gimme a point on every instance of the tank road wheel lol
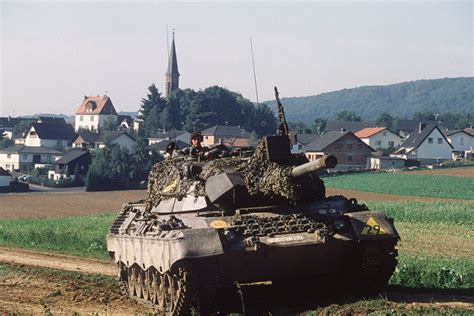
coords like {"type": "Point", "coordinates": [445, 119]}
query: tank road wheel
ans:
{"type": "Point", "coordinates": [140, 283]}
{"type": "Point", "coordinates": [132, 280]}
{"type": "Point", "coordinates": [147, 291]}
{"type": "Point", "coordinates": [171, 294]}
{"type": "Point", "coordinates": [155, 296]}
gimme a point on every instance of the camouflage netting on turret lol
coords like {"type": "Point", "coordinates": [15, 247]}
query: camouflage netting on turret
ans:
{"type": "Point", "coordinates": [270, 178]}
{"type": "Point", "coordinates": [167, 179]}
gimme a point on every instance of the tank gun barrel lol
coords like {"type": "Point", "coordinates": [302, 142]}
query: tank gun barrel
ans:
{"type": "Point", "coordinates": [327, 161]}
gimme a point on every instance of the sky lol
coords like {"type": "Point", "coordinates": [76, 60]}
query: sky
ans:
{"type": "Point", "coordinates": [54, 53]}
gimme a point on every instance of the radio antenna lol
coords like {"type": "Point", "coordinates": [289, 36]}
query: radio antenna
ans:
{"type": "Point", "coordinates": [254, 73]}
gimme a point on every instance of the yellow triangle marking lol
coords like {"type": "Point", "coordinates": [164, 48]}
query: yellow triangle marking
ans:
{"type": "Point", "coordinates": [372, 228]}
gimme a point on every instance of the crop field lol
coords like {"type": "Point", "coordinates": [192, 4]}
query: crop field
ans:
{"type": "Point", "coordinates": [407, 183]}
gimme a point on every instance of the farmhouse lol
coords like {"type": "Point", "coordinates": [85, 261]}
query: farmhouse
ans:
{"type": "Point", "coordinates": [428, 145]}
{"type": "Point", "coordinates": [461, 140]}
{"type": "Point", "coordinates": [75, 159]}
{"type": "Point", "coordinates": [379, 137]}
{"type": "Point", "coordinates": [20, 157]}
{"type": "Point", "coordinates": [181, 136]}
{"type": "Point", "coordinates": [93, 112]}
{"type": "Point", "coordinates": [350, 151]}
{"type": "Point", "coordinates": [87, 139]}
{"type": "Point", "coordinates": [300, 141]}
{"type": "Point", "coordinates": [219, 133]}
{"type": "Point", "coordinates": [53, 134]}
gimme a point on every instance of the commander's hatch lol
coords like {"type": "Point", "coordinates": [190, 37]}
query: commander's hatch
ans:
{"type": "Point", "coordinates": [278, 149]}
{"type": "Point", "coordinates": [189, 203]}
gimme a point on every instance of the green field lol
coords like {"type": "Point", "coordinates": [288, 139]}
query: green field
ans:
{"type": "Point", "coordinates": [406, 184]}
{"type": "Point", "coordinates": [436, 249]}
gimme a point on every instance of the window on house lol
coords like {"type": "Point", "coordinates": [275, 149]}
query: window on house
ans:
{"type": "Point", "coordinates": [430, 140]}
{"type": "Point", "coordinates": [81, 118]}
{"type": "Point", "coordinates": [9, 156]}
{"type": "Point", "coordinates": [359, 146]}
{"type": "Point", "coordinates": [349, 146]}
{"type": "Point", "coordinates": [92, 118]}
{"type": "Point", "coordinates": [384, 133]}
{"type": "Point", "coordinates": [379, 143]}
{"type": "Point", "coordinates": [393, 162]}
{"type": "Point", "coordinates": [440, 140]}
{"type": "Point", "coordinates": [24, 156]}
{"type": "Point", "coordinates": [349, 157]}
{"type": "Point", "coordinates": [33, 134]}
{"type": "Point", "coordinates": [338, 146]}
{"type": "Point", "coordinates": [7, 166]}
{"type": "Point", "coordinates": [391, 144]}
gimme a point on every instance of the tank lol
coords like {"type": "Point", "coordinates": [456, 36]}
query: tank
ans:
{"type": "Point", "coordinates": [257, 215]}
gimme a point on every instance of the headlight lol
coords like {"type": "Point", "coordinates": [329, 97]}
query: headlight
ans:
{"type": "Point", "coordinates": [339, 224]}
{"type": "Point", "coordinates": [323, 212]}
{"type": "Point", "coordinates": [230, 235]}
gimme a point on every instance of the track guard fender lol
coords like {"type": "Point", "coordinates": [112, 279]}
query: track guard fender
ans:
{"type": "Point", "coordinates": [372, 226]}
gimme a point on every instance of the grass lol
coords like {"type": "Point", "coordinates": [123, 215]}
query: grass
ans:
{"type": "Point", "coordinates": [434, 272]}
{"type": "Point", "coordinates": [77, 235]}
{"type": "Point", "coordinates": [406, 184]}
{"type": "Point", "coordinates": [426, 212]}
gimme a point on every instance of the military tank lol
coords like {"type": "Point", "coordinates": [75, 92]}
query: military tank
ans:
{"type": "Point", "coordinates": [261, 215]}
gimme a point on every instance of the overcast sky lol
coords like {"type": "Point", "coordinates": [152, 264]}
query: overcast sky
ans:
{"type": "Point", "coordinates": [53, 53]}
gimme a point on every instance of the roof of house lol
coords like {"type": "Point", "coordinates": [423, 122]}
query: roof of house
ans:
{"type": "Point", "coordinates": [369, 131]}
{"type": "Point", "coordinates": [51, 120]}
{"type": "Point", "coordinates": [330, 137]}
{"type": "Point", "coordinates": [306, 139]}
{"type": "Point", "coordinates": [168, 135]}
{"type": "Point", "coordinates": [100, 137]}
{"type": "Point", "coordinates": [226, 130]}
{"type": "Point", "coordinates": [413, 125]}
{"type": "Point", "coordinates": [96, 105]}
{"type": "Point", "coordinates": [54, 131]}
{"type": "Point", "coordinates": [470, 131]}
{"type": "Point", "coordinates": [16, 149]}
{"type": "Point", "coordinates": [161, 146]}
{"type": "Point", "coordinates": [71, 155]}
{"type": "Point", "coordinates": [348, 125]}
{"type": "Point", "coordinates": [9, 121]}
{"type": "Point", "coordinates": [417, 138]}
{"type": "Point", "coordinates": [4, 173]}
{"type": "Point", "coordinates": [126, 118]}
{"type": "Point", "coordinates": [237, 142]}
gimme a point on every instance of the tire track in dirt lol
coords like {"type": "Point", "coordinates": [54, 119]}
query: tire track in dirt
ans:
{"type": "Point", "coordinates": [56, 261]}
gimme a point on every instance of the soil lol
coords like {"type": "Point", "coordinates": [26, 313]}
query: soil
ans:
{"type": "Point", "coordinates": [49, 204]}
{"type": "Point", "coordinates": [456, 172]}
{"type": "Point", "coordinates": [42, 290]}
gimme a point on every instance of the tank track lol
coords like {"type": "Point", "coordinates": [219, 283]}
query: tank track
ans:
{"type": "Point", "coordinates": [171, 294]}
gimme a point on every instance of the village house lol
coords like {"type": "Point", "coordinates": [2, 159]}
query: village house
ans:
{"type": "Point", "coordinates": [300, 141]}
{"type": "Point", "coordinates": [428, 145]}
{"type": "Point", "coordinates": [181, 136]}
{"type": "Point", "coordinates": [348, 126]}
{"type": "Point", "coordinates": [379, 137]}
{"type": "Point", "coordinates": [220, 133]}
{"type": "Point", "coordinates": [21, 157]}
{"type": "Point", "coordinates": [76, 158]}
{"type": "Point", "coordinates": [461, 140]}
{"type": "Point", "coordinates": [94, 112]}
{"type": "Point", "coordinates": [350, 151]}
{"type": "Point", "coordinates": [88, 139]}
{"type": "Point", "coordinates": [381, 163]}
{"type": "Point", "coordinates": [53, 134]}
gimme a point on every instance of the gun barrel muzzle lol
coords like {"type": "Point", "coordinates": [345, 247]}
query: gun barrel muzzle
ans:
{"type": "Point", "coordinates": [327, 161]}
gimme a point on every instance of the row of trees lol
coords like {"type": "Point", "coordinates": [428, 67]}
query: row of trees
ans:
{"type": "Point", "coordinates": [192, 110]}
{"type": "Point", "coordinates": [456, 120]}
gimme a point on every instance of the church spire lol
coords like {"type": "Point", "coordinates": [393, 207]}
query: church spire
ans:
{"type": "Point", "coordinates": [172, 74]}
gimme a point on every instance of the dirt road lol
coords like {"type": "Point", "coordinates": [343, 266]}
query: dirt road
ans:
{"type": "Point", "coordinates": [28, 289]}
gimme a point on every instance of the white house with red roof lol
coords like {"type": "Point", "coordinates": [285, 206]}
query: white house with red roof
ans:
{"type": "Point", "coordinates": [379, 137]}
{"type": "Point", "coordinates": [93, 112]}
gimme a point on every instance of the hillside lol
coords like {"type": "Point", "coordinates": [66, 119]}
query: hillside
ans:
{"type": "Point", "coordinates": [401, 100]}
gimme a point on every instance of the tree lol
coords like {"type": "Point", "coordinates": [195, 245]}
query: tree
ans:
{"type": "Point", "coordinates": [347, 116]}
{"type": "Point", "coordinates": [424, 116]}
{"type": "Point", "coordinates": [150, 112]}
{"type": "Point", "coordinates": [110, 124]}
{"type": "Point", "coordinates": [319, 126]}
{"type": "Point", "coordinates": [265, 122]}
{"type": "Point", "coordinates": [385, 120]}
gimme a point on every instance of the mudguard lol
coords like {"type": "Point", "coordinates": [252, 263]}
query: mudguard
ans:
{"type": "Point", "coordinates": [369, 225]}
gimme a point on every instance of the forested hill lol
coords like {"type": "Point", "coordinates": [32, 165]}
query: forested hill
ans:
{"type": "Point", "coordinates": [402, 100]}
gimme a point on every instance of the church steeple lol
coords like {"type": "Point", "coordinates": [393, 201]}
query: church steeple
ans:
{"type": "Point", "coordinates": [172, 75]}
